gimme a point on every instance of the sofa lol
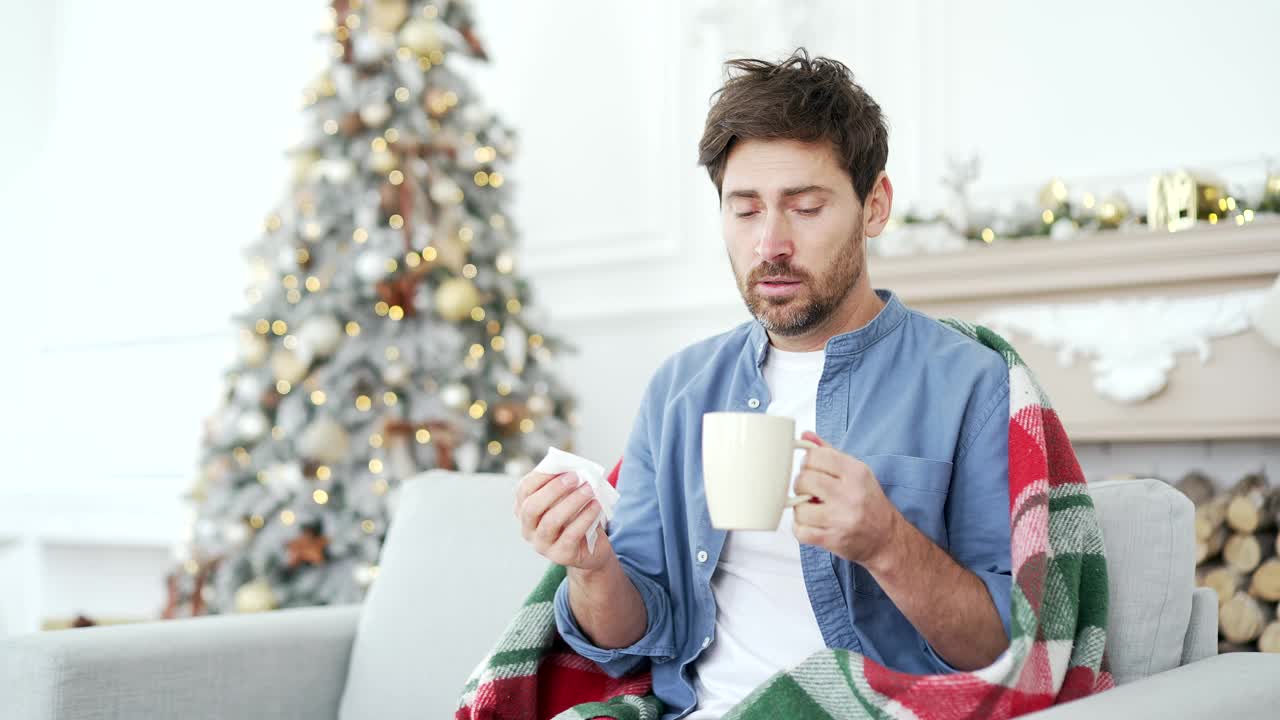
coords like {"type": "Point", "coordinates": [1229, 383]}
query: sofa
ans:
{"type": "Point", "coordinates": [454, 570]}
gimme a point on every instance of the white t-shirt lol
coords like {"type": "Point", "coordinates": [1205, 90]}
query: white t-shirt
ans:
{"type": "Point", "coordinates": [764, 622]}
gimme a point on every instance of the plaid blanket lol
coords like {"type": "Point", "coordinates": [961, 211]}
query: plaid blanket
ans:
{"type": "Point", "coordinates": [1059, 618]}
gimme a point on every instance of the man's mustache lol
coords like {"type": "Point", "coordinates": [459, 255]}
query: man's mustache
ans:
{"type": "Point", "coordinates": [776, 270]}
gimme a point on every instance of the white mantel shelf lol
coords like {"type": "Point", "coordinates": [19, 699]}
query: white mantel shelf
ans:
{"type": "Point", "coordinates": [1039, 267]}
{"type": "Point", "coordinates": [1235, 395]}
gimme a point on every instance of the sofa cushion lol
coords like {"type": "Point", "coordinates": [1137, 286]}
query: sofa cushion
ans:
{"type": "Point", "coordinates": [453, 571]}
{"type": "Point", "coordinates": [1148, 530]}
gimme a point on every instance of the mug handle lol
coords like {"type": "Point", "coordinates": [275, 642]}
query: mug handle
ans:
{"type": "Point", "coordinates": [801, 499]}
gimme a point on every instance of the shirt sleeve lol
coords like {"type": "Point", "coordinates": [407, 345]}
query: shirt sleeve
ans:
{"type": "Point", "coordinates": [636, 535]}
{"type": "Point", "coordinates": [977, 507]}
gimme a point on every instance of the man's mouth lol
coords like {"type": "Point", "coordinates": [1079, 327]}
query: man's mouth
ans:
{"type": "Point", "coordinates": [777, 287]}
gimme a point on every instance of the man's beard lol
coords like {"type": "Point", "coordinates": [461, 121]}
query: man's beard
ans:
{"type": "Point", "coordinates": [814, 303]}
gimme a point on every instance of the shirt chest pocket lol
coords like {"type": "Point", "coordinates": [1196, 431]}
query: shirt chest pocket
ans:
{"type": "Point", "coordinates": [918, 488]}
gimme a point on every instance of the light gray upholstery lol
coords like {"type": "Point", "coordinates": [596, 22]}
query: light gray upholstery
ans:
{"type": "Point", "coordinates": [1202, 633]}
{"type": "Point", "coordinates": [288, 664]}
{"type": "Point", "coordinates": [1148, 528]}
{"type": "Point", "coordinates": [453, 571]}
{"type": "Point", "coordinates": [1240, 686]}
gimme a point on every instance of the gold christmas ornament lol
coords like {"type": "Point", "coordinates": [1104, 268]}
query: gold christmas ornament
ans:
{"type": "Point", "coordinates": [454, 299]}
{"type": "Point", "coordinates": [450, 251]}
{"type": "Point", "coordinates": [253, 349]}
{"type": "Point", "coordinates": [324, 441]}
{"type": "Point", "coordinates": [1053, 194]}
{"type": "Point", "coordinates": [255, 596]}
{"type": "Point", "coordinates": [436, 102]}
{"type": "Point", "coordinates": [303, 162]}
{"type": "Point", "coordinates": [287, 366]}
{"type": "Point", "coordinates": [1175, 201]}
{"type": "Point", "coordinates": [421, 36]}
{"type": "Point", "coordinates": [388, 15]}
{"type": "Point", "coordinates": [382, 161]}
{"type": "Point", "coordinates": [1113, 211]}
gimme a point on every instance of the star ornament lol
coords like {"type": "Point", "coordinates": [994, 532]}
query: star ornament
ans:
{"type": "Point", "coordinates": [309, 547]}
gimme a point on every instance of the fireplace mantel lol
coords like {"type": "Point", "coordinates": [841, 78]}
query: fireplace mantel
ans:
{"type": "Point", "coordinates": [1235, 394]}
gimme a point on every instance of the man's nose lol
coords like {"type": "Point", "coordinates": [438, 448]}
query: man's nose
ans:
{"type": "Point", "coordinates": [775, 238]}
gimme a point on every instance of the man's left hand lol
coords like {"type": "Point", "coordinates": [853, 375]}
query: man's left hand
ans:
{"type": "Point", "coordinates": [850, 515]}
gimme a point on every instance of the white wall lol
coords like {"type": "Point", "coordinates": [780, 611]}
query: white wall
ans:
{"type": "Point", "coordinates": [143, 146]}
{"type": "Point", "coordinates": [621, 229]}
{"type": "Point", "coordinates": [149, 146]}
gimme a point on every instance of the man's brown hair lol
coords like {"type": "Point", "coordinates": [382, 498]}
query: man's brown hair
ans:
{"type": "Point", "coordinates": [799, 98]}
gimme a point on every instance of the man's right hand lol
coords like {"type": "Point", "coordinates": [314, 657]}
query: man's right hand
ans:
{"type": "Point", "coordinates": [555, 512]}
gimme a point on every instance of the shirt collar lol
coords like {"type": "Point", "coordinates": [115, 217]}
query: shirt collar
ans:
{"type": "Point", "coordinates": [885, 321]}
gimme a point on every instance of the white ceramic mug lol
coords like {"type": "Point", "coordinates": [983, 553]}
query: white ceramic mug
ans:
{"type": "Point", "coordinates": [746, 468]}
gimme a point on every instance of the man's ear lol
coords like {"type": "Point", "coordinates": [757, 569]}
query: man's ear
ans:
{"type": "Point", "coordinates": [878, 206]}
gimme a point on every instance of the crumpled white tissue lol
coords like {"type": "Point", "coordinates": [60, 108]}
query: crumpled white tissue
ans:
{"type": "Point", "coordinates": [558, 461]}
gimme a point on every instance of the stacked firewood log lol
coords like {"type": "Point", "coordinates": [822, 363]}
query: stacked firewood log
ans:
{"type": "Point", "coordinates": [1236, 556]}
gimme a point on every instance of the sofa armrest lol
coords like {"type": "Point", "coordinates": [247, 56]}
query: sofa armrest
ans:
{"type": "Point", "coordinates": [1202, 632]}
{"type": "Point", "coordinates": [283, 664]}
{"type": "Point", "coordinates": [1233, 685]}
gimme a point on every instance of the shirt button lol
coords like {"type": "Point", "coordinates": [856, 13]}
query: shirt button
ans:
{"type": "Point", "coordinates": [753, 403]}
{"type": "Point", "coordinates": [702, 556]}
{"type": "Point", "coordinates": [706, 642]}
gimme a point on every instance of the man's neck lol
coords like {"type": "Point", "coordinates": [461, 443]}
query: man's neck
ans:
{"type": "Point", "coordinates": [859, 308]}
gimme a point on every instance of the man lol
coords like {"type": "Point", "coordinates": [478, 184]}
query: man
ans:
{"type": "Point", "coordinates": [904, 554]}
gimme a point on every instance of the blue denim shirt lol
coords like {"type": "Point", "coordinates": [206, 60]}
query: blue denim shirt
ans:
{"type": "Point", "coordinates": [926, 408]}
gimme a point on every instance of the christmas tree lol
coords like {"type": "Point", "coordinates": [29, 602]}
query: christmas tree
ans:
{"type": "Point", "coordinates": [387, 330]}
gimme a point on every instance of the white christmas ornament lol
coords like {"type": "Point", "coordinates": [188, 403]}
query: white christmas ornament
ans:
{"type": "Point", "coordinates": [455, 395]}
{"type": "Point", "coordinates": [287, 259]}
{"type": "Point", "coordinates": [365, 574]}
{"type": "Point", "coordinates": [371, 266]}
{"type": "Point", "coordinates": [249, 388]}
{"type": "Point", "coordinates": [444, 190]}
{"type": "Point", "coordinates": [370, 47]}
{"type": "Point", "coordinates": [319, 335]}
{"type": "Point", "coordinates": [540, 405]}
{"type": "Point", "coordinates": [467, 457]}
{"type": "Point", "coordinates": [251, 426]}
{"type": "Point", "coordinates": [324, 440]}
{"type": "Point", "coordinates": [255, 596]}
{"type": "Point", "coordinates": [1062, 229]}
{"type": "Point", "coordinates": [235, 534]}
{"type": "Point", "coordinates": [283, 479]}
{"type": "Point", "coordinates": [396, 374]}
{"type": "Point", "coordinates": [375, 115]}
{"type": "Point", "coordinates": [337, 172]}
{"type": "Point", "coordinates": [515, 347]}
{"type": "Point", "coordinates": [475, 115]}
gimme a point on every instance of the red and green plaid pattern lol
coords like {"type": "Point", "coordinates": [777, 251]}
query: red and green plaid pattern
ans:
{"type": "Point", "coordinates": [1059, 618]}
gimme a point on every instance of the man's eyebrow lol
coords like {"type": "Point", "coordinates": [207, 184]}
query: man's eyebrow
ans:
{"type": "Point", "coordinates": [786, 192]}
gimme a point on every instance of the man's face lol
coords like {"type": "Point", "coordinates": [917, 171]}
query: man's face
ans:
{"type": "Point", "coordinates": [793, 231]}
